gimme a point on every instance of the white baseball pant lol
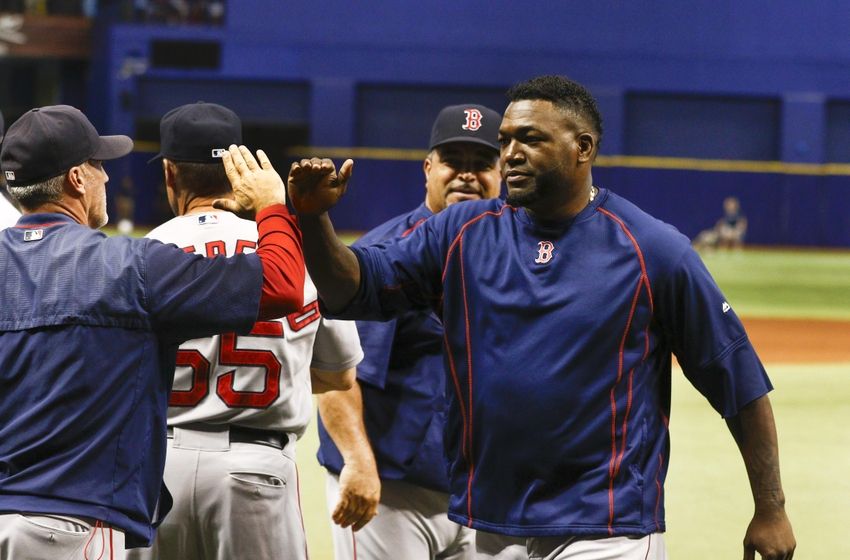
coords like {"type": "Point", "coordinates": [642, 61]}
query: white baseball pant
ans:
{"type": "Point", "coordinates": [411, 524]}
{"type": "Point", "coordinates": [489, 546]}
{"type": "Point", "coordinates": [58, 537]}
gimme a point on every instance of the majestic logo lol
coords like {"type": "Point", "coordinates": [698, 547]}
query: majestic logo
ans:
{"type": "Point", "coordinates": [726, 307]}
{"type": "Point", "coordinates": [217, 152]}
{"type": "Point", "coordinates": [10, 175]}
{"type": "Point", "coordinates": [473, 119]}
{"type": "Point", "coordinates": [544, 252]}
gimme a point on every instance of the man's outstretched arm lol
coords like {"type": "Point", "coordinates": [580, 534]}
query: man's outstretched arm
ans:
{"type": "Point", "coordinates": [314, 188]}
{"type": "Point", "coordinates": [770, 531]}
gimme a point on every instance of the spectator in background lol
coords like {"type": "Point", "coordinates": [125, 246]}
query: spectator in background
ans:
{"type": "Point", "coordinates": [728, 232]}
{"type": "Point", "coordinates": [400, 394]}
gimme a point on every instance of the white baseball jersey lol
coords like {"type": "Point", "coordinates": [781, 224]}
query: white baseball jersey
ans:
{"type": "Point", "coordinates": [260, 380]}
{"type": "Point", "coordinates": [8, 214]}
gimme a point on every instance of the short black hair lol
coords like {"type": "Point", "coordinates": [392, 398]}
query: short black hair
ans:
{"type": "Point", "coordinates": [203, 179]}
{"type": "Point", "coordinates": [564, 93]}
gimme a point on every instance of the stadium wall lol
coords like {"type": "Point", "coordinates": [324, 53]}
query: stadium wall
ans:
{"type": "Point", "coordinates": [759, 85]}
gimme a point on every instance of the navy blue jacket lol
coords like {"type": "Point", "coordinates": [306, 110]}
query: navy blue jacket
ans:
{"type": "Point", "coordinates": [89, 328]}
{"type": "Point", "coordinates": [558, 343]}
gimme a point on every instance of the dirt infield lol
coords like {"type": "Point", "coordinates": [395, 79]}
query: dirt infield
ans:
{"type": "Point", "coordinates": [800, 340]}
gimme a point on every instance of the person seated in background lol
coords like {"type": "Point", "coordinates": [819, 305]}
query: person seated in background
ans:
{"type": "Point", "coordinates": [728, 232]}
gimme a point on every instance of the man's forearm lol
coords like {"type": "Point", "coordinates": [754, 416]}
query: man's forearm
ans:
{"type": "Point", "coordinates": [754, 431]}
{"type": "Point", "coordinates": [332, 265]}
{"type": "Point", "coordinates": [342, 415]}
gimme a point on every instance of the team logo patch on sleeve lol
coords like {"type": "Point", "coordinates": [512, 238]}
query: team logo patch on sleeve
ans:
{"type": "Point", "coordinates": [544, 252]}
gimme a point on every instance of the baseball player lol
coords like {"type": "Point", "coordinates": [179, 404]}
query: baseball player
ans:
{"type": "Point", "coordinates": [561, 308]}
{"type": "Point", "coordinates": [89, 329]}
{"type": "Point", "coordinates": [8, 213]}
{"type": "Point", "coordinates": [400, 395]}
{"type": "Point", "coordinates": [239, 403]}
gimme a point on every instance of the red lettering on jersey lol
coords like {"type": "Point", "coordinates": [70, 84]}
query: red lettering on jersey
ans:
{"type": "Point", "coordinates": [544, 252]}
{"type": "Point", "coordinates": [300, 319]}
{"type": "Point", "coordinates": [267, 328]}
{"type": "Point", "coordinates": [216, 248]}
{"type": "Point", "coordinates": [189, 249]}
{"type": "Point", "coordinates": [242, 244]}
{"type": "Point", "coordinates": [200, 379]}
{"type": "Point", "coordinates": [473, 119]}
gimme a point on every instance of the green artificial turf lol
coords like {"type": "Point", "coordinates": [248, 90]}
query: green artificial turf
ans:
{"type": "Point", "coordinates": [782, 283]}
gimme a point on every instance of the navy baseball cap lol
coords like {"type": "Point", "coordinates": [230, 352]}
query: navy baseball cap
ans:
{"type": "Point", "coordinates": [466, 123]}
{"type": "Point", "coordinates": [48, 141]}
{"type": "Point", "coordinates": [198, 132]}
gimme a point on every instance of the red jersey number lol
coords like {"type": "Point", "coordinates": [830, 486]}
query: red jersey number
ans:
{"type": "Point", "coordinates": [230, 355]}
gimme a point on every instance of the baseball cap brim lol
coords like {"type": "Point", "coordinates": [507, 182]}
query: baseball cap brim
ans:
{"type": "Point", "coordinates": [113, 147]}
{"type": "Point", "coordinates": [466, 139]}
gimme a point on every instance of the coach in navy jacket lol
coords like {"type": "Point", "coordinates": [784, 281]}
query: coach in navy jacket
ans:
{"type": "Point", "coordinates": [89, 328]}
{"type": "Point", "coordinates": [561, 307]}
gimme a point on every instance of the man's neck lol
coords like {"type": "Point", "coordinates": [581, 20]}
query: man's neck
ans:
{"type": "Point", "coordinates": [568, 209]}
{"type": "Point", "coordinates": [73, 211]}
{"type": "Point", "coordinates": [201, 204]}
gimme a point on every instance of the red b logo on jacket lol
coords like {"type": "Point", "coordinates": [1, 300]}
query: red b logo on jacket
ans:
{"type": "Point", "coordinates": [544, 252]}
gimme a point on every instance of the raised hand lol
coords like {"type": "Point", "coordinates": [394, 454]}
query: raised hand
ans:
{"type": "Point", "coordinates": [315, 186]}
{"type": "Point", "coordinates": [256, 185]}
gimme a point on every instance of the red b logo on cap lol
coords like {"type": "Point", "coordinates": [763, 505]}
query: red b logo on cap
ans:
{"type": "Point", "coordinates": [473, 119]}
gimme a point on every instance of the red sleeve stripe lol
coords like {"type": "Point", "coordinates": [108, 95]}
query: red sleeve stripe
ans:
{"type": "Point", "coordinates": [471, 458]}
{"type": "Point", "coordinates": [660, 488]}
{"type": "Point", "coordinates": [413, 227]}
{"type": "Point", "coordinates": [453, 372]}
{"type": "Point", "coordinates": [463, 230]}
{"type": "Point", "coordinates": [637, 249]}
{"type": "Point", "coordinates": [466, 412]}
{"type": "Point", "coordinates": [642, 284]}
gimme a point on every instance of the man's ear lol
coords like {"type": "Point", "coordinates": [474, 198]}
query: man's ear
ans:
{"type": "Point", "coordinates": [75, 181]}
{"type": "Point", "coordinates": [586, 147]}
{"type": "Point", "coordinates": [426, 166]}
{"type": "Point", "coordinates": [170, 172]}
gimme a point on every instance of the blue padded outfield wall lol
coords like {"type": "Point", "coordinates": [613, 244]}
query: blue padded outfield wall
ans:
{"type": "Point", "coordinates": [700, 100]}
